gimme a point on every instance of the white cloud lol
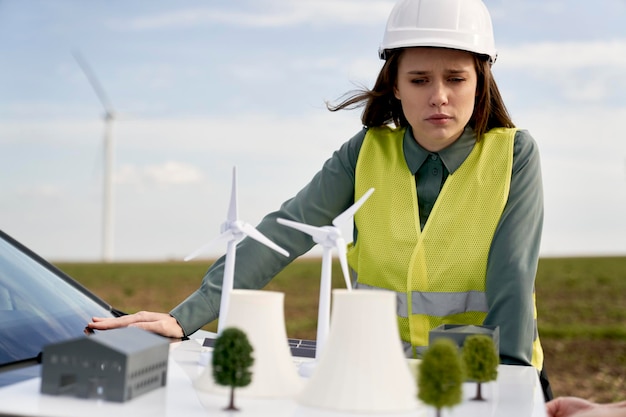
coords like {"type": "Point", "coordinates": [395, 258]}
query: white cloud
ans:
{"type": "Point", "coordinates": [586, 88]}
{"type": "Point", "coordinates": [62, 131]}
{"type": "Point", "coordinates": [266, 72]}
{"type": "Point", "coordinates": [40, 191]}
{"type": "Point", "coordinates": [279, 13]}
{"type": "Point", "coordinates": [320, 132]}
{"type": "Point", "coordinates": [581, 72]}
{"type": "Point", "coordinates": [580, 131]}
{"type": "Point", "coordinates": [562, 57]}
{"type": "Point", "coordinates": [318, 64]}
{"type": "Point", "coordinates": [168, 173]}
{"type": "Point", "coordinates": [250, 134]}
{"type": "Point", "coordinates": [364, 71]}
{"type": "Point", "coordinates": [501, 9]}
{"type": "Point", "coordinates": [173, 172]}
{"type": "Point", "coordinates": [275, 156]}
{"type": "Point", "coordinates": [583, 176]}
{"type": "Point", "coordinates": [582, 160]}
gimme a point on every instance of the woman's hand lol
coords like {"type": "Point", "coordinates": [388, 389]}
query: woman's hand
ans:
{"type": "Point", "coordinates": [568, 406]}
{"type": "Point", "coordinates": [605, 410]}
{"type": "Point", "coordinates": [159, 323]}
{"type": "Point", "coordinates": [577, 407]}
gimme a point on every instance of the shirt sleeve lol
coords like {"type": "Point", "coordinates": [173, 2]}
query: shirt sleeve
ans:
{"type": "Point", "coordinates": [514, 254]}
{"type": "Point", "coordinates": [330, 192]}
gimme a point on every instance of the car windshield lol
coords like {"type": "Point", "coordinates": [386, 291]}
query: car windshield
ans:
{"type": "Point", "coordinates": [39, 305]}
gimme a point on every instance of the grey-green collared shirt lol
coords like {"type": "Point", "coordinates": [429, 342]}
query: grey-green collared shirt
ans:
{"type": "Point", "coordinates": [513, 256]}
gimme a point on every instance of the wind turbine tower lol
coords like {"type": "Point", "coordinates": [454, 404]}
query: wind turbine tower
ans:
{"type": "Point", "coordinates": [330, 238]}
{"type": "Point", "coordinates": [232, 231]}
{"type": "Point", "coordinates": [107, 186]}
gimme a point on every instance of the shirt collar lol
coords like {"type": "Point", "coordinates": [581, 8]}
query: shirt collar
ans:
{"type": "Point", "coordinates": [452, 156]}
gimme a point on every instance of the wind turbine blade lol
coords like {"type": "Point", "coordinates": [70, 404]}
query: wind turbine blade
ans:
{"type": "Point", "coordinates": [233, 213]}
{"type": "Point", "coordinates": [352, 209]}
{"type": "Point", "coordinates": [249, 230]}
{"type": "Point", "coordinates": [343, 261]}
{"type": "Point", "coordinates": [95, 84]}
{"type": "Point", "coordinates": [317, 233]}
{"type": "Point", "coordinates": [228, 235]}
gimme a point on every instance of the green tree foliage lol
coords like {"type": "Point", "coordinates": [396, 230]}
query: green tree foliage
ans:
{"type": "Point", "coordinates": [232, 359]}
{"type": "Point", "coordinates": [441, 375]}
{"type": "Point", "coordinates": [481, 361]}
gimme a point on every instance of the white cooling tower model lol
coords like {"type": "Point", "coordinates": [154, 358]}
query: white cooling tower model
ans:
{"type": "Point", "coordinates": [260, 314]}
{"type": "Point", "coordinates": [363, 367]}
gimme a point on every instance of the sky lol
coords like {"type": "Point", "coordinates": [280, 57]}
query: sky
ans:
{"type": "Point", "coordinates": [199, 87]}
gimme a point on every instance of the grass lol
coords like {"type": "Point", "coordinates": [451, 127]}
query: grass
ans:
{"type": "Point", "coordinates": [581, 303]}
{"type": "Point", "coordinates": [582, 323]}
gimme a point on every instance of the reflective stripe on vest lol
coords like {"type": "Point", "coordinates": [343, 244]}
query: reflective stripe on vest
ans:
{"type": "Point", "coordinates": [454, 303]}
{"type": "Point", "coordinates": [437, 303]}
{"type": "Point", "coordinates": [439, 272]}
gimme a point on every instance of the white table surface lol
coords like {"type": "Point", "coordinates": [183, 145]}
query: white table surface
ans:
{"type": "Point", "coordinates": [516, 393]}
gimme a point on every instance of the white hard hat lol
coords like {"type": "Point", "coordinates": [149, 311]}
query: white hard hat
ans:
{"type": "Point", "coordinates": [456, 24]}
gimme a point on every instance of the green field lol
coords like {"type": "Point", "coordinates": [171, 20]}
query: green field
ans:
{"type": "Point", "coordinates": [581, 303]}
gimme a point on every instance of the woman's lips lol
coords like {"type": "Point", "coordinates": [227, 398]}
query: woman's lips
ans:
{"type": "Point", "coordinates": [439, 118]}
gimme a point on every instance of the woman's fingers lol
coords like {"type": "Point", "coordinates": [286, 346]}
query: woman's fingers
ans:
{"type": "Point", "coordinates": [160, 323]}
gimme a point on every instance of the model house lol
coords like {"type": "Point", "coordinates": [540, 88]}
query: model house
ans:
{"type": "Point", "coordinates": [113, 365]}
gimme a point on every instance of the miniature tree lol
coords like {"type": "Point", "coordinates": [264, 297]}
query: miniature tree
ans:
{"type": "Point", "coordinates": [441, 375]}
{"type": "Point", "coordinates": [481, 361]}
{"type": "Point", "coordinates": [232, 358]}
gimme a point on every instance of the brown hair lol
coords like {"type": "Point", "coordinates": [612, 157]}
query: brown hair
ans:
{"type": "Point", "coordinates": [382, 107]}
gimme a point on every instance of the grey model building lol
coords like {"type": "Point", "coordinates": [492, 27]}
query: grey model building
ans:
{"type": "Point", "coordinates": [114, 365]}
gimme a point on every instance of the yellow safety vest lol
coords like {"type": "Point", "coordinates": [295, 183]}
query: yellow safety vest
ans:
{"type": "Point", "coordinates": [438, 273]}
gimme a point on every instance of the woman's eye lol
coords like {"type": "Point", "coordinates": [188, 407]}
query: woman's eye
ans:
{"type": "Point", "coordinates": [457, 79]}
{"type": "Point", "coordinates": [418, 81]}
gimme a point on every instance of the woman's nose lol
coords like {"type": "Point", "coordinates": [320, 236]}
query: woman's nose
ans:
{"type": "Point", "coordinates": [439, 95]}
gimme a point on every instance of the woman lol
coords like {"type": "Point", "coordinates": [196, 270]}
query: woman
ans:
{"type": "Point", "coordinates": [454, 226]}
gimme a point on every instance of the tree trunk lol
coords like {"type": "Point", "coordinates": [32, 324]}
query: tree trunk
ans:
{"type": "Point", "coordinates": [438, 413]}
{"type": "Point", "coordinates": [479, 392]}
{"type": "Point", "coordinates": [231, 405]}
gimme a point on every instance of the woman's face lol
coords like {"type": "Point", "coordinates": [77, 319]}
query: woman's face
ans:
{"type": "Point", "coordinates": [437, 89]}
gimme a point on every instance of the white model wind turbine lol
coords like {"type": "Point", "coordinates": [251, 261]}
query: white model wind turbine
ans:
{"type": "Point", "coordinates": [107, 194]}
{"type": "Point", "coordinates": [232, 231]}
{"type": "Point", "coordinates": [329, 237]}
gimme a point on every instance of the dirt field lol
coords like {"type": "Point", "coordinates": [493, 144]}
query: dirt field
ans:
{"type": "Point", "coordinates": [592, 369]}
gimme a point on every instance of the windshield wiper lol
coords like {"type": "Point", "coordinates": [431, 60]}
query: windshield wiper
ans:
{"type": "Point", "coordinates": [21, 363]}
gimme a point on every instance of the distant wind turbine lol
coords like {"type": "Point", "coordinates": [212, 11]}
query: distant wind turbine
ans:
{"type": "Point", "coordinates": [330, 238]}
{"type": "Point", "coordinates": [232, 231]}
{"type": "Point", "coordinates": [107, 194]}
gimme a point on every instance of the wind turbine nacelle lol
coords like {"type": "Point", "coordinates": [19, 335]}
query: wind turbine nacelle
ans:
{"type": "Point", "coordinates": [328, 239]}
